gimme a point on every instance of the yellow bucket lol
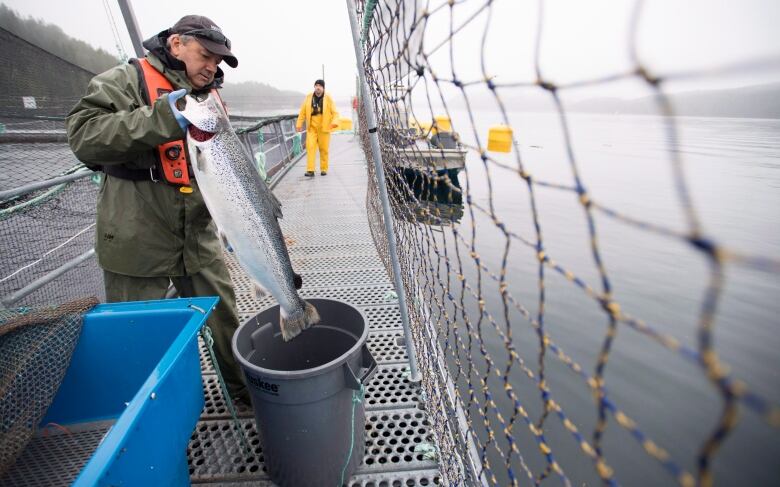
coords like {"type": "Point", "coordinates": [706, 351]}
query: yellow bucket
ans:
{"type": "Point", "coordinates": [345, 124]}
{"type": "Point", "coordinates": [500, 138]}
{"type": "Point", "coordinates": [443, 123]}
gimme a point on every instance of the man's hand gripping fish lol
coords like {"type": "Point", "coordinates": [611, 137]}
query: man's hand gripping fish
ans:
{"type": "Point", "coordinates": [244, 209]}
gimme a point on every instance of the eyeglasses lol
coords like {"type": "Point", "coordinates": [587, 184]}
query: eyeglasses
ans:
{"type": "Point", "coordinates": [209, 34]}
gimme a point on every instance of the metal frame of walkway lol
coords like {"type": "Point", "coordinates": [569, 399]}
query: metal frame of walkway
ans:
{"type": "Point", "coordinates": [326, 228]}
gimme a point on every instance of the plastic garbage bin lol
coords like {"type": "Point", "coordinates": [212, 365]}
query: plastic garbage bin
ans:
{"type": "Point", "coordinates": [307, 393]}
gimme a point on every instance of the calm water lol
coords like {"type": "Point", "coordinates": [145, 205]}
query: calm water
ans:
{"type": "Point", "coordinates": [732, 167]}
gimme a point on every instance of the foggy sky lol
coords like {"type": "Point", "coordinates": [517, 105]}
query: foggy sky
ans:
{"type": "Point", "coordinates": [285, 43]}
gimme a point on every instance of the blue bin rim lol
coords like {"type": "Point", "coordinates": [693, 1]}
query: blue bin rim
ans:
{"type": "Point", "coordinates": [111, 444]}
{"type": "Point", "coordinates": [303, 373]}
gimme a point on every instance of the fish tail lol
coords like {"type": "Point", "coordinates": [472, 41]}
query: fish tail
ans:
{"type": "Point", "coordinates": [290, 326]}
{"type": "Point", "coordinates": [310, 316]}
{"type": "Point", "coordinates": [293, 325]}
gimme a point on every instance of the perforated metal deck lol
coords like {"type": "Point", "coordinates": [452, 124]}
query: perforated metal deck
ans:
{"type": "Point", "coordinates": [330, 245]}
{"type": "Point", "coordinates": [55, 456]}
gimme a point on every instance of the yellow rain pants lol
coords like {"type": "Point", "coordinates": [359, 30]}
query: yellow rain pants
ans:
{"type": "Point", "coordinates": [316, 138]}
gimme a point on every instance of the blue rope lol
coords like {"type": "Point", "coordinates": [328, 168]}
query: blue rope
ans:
{"type": "Point", "coordinates": [357, 398]}
{"type": "Point", "coordinates": [208, 338]}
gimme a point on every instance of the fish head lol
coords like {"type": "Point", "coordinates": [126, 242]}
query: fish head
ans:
{"type": "Point", "coordinates": [206, 115]}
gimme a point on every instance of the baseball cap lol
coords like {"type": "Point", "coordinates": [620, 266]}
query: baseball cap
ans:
{"type": "Point", "coordinates": [208, 34]}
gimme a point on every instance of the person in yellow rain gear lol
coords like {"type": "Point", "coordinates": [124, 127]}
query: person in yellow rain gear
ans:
{"type": "Point", "coordinates": [319, 113]}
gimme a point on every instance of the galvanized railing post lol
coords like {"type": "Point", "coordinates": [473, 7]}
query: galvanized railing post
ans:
{"type": "Point", "coordinates": [9, 300]}
{"type": "Point", "coordinates": [47, 183]}
{"type": "Point", "coordinates": [380, 175]}
{"type": "Point", "coordinates": [132, 27]}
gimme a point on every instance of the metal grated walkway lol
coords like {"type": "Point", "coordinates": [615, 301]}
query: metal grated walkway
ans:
{"type": "Point", "coordinates": [327, 233]}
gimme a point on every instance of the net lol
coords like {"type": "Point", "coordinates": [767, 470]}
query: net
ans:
{"type": "Point", "coordinates": [35, 350]}
{"type": "Point", "coordinates": [45, 229]}
{"type": "Point", "coordinates": [549, 352]}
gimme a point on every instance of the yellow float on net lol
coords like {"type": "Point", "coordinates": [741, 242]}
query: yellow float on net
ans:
{"type": "Point", "coordinates": [500, 138]}
{"type": "Point", "coordinates": [443, 123]}
{"type": "Point", "coordinates": [345, 124]}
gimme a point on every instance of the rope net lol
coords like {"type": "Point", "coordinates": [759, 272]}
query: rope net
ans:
{"type": "Point", "coordinates": [42, 230]}
{"type": "Point", "coordinates": [564, 297]}
{"type": "Point", "coordinates": [35, 350]}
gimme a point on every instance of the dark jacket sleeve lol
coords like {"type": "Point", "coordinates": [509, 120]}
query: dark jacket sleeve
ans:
{"type": "Point", "coordinates": [112, 124]}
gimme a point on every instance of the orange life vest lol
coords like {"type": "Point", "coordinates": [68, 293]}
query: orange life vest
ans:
{"type": "Point", "coordinates": [172, 157]}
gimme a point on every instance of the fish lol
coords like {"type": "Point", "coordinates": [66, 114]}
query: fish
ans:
{"type": "Point", "coordinates": [244, 208]}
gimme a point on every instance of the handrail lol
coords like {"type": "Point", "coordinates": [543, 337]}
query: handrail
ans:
{"type": "Point", "coordinates": [262, 123]}
{"type": "Point", "coordinates": [12, 298]}
{"type": "Point", "coordinates": [50, 118]}
{"type": "Point", "coordinates": [29, 188]}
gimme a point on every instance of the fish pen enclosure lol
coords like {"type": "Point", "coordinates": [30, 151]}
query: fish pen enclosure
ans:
{"type": "Point", "coordinates": [602, 308]}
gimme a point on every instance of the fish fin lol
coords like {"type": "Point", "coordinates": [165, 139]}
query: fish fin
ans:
{"type": "Point", "coordinates": [201, 161]}
{"type": "Point", "coordinates": [310, 316]}
{"type": "Point", "coordinates": [225, 241]}
{"type": "Point", "coordinates": [297, 280]}
{"type": "Point", "coordinates": [258, 290]}
{"type": "Point", "coordinates": [292, 326]}
{"type": "Point", "coordinates": [276, 205]}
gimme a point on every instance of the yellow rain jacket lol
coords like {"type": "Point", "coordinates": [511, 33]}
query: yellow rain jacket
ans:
{"type": "Point", "coordinates": [329, 113]}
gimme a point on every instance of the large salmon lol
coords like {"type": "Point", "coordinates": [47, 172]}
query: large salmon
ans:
{"type": "Point", "coordinates": [244, 209]}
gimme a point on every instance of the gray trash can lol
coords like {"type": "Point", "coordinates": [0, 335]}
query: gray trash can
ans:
{"type": "Point", "coordinates": [307, 393]}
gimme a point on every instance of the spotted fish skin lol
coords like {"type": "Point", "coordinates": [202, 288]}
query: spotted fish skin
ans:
{"type": "Point", "coordinates": [244, 209]}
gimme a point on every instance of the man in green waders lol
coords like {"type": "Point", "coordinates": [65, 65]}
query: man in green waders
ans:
{"type": "Point", "coordinates": [152, 224]}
